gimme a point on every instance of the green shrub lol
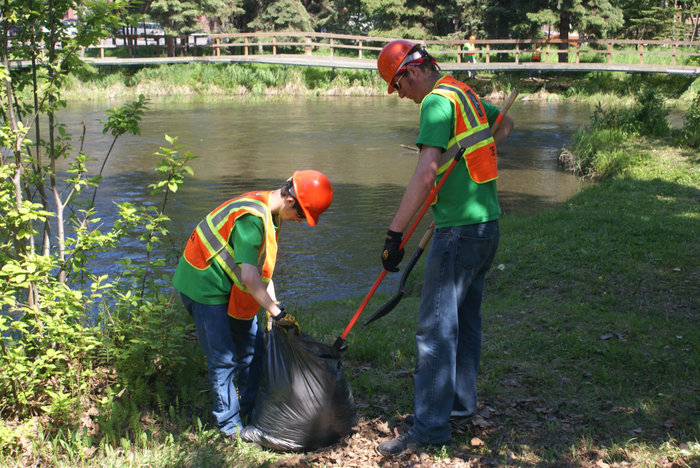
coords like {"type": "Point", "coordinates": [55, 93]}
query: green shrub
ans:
{"type": "Point", "coordinates": [619, 118]}
{"type": "Point", "coordinates": [650, 116]}
{"type": "Point", "coordinates": [596, 151]}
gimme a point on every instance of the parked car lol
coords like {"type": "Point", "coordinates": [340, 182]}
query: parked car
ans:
{"type": "Point", "coordinates": [70, 26]}
{"type": "Point", "coordinates": [150, 29]}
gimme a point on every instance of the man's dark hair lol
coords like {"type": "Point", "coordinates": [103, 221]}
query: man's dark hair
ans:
{"type": "Point", "coordinates": [285, 190]}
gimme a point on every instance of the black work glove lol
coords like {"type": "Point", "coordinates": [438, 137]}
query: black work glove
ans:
{"type": "Point", "coordinates": [285, 320]}
{"type": "Point", "coordinates": [391, 255]}
{"type": "Point", "coordinates": [282, 314]}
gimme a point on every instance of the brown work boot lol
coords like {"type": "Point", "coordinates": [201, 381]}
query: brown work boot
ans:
{"type": "Point", "coordinates": [399, 445]}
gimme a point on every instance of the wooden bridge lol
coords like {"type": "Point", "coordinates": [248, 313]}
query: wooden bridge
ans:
{"type": "Point", "coordinates": [360, 52]}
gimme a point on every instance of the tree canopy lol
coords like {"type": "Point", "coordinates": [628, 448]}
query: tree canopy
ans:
{"type": "Point", "coordinates": [426, 19]}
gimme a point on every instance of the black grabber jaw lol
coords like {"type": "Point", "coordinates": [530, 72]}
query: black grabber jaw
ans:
{"type": "Point", "coordinates": [340, 345]}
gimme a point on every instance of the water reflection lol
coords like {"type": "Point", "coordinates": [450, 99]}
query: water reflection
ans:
{"type": "Point", "coordinates": [244, 145]}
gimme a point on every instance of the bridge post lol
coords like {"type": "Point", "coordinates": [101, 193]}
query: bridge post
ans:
{"type": "Point", "coordinates": [307, 47]}
{"type": "Point", "coordinates": [331, 47]}
{"type": "Point", "coordinates": [217, 42]}
{"type": "Point", "coordinates": [578, 52]}
{"type": "Point", "coordinates": [673, 59]}
{"type": "Point", "coordinates": [274, 45]}
{"type": "Point", "coordinates": [610, 47]}
{"type": "Point", "coordinates": [245, 47]}
{"type": "Point", "coordinates": [360, 49]}
{"type": "Point", "coordinates": [641, 54]}
{"type": "Point", "coordinates": [517, 52]}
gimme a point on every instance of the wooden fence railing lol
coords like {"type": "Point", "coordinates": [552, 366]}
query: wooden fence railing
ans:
{"type": "Point", "coordinates": [498, 50]}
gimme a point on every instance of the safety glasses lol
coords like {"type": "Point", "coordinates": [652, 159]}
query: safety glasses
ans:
{"type": "Point", "coordinates": [397, 86]}
{"type": "Point", "coordinates": [300, 212]}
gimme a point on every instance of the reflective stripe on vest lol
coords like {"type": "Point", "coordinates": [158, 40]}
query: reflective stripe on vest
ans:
{"type": "Point", "coordinates": [215, 229]}
{"type": "Point", "coordinates": [472, 135]}
{"type": "Point", "coordinates": [211, 239]}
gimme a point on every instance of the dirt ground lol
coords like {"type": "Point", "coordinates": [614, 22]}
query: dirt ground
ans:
{"type": "Point", "coordinates": [359, 449]}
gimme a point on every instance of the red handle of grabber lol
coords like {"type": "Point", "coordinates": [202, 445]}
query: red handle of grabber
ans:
{"type": "Point", "coordinates": [339, 344]}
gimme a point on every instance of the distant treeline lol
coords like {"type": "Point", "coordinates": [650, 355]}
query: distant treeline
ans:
{"type": "Point", "coordinates": [620, 19]}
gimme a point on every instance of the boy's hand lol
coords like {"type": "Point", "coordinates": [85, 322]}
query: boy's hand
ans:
{"type": "Point", "coordinates": [391, 254]}
{"type": "Point", "coordinates": [285, 320]}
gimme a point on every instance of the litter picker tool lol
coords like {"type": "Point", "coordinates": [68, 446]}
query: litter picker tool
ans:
{"type": "Point", "coordinates": [340, 344]}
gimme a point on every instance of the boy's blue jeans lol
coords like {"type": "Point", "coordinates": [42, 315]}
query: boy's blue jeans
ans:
{"type": "Point", "coordinates": [234, 350]}
{"type": "Point", "coordinates": [448, 337]}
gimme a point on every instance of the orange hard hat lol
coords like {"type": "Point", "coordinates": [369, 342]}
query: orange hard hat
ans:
{"type": "Point", "coordinates": [472, 37]}
{"type": "Point", "coordinates": [391, 58]}
{"type": "Point", "coordinates": [313, 191]}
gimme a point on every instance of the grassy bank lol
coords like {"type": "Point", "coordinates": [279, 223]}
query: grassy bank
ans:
{"type": "Point", "coordinates": [591, 353]}
{"type": "Point", "coordinates": [231, 81]}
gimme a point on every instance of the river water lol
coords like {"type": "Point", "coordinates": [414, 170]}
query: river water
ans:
{"type": "Point", "coordinates": [357, 142]}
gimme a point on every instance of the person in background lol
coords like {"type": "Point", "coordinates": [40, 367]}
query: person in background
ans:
{"type": "Point", "coordinates": [448, 336]}
{"type": "Point", "coordinates": [470, 47]}
{"type": "Point", "coordinates": [536, 52]}
{"type": "Point", "coordinates": [536, 57]}
{"type": "Point", "coordinates": [225, 275]}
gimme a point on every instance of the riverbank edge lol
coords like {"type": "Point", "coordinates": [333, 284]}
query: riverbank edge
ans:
{"type": "Point", "coordinates": [192, 82]}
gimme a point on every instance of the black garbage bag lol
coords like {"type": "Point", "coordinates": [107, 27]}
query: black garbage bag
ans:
{"type": "Point", "coordinates": [304, 400]}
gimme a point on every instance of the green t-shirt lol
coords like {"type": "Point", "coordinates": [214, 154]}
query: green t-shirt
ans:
{"type": "Point", "coordinates": [461, 201]}
{"type": "Point", "coordinates": [212, 285]}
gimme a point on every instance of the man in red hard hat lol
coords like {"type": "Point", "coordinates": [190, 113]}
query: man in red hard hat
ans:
{"type": "Point", "coordinates": [225, 276]}
{"type": "Point", "coordinates": [453, 121]}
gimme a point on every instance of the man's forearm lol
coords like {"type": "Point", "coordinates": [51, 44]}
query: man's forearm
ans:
{"type": "Point", "coordinates": [418, 187]}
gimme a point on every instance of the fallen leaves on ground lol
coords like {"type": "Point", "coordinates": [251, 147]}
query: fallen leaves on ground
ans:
{"type": "Point", "coordinates": [359, 450]}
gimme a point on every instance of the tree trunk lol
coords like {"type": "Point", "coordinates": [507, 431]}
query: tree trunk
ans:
{"type": "Point", "coordinates": [564, 22]}
{"type": "Point", "coordinates": [130, 38]}
{"type": "Point", "coordinates": [170, 45]}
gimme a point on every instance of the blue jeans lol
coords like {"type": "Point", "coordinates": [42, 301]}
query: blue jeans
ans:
{"type": "Point", "coordinates": [448, 338]}
{"type": "Point", "coordinates": [234, 350]}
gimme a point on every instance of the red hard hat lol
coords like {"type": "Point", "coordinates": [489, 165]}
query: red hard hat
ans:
{"type": "Point", "coordinates": [391, 58]}
{"type": "Point", "coordinates": [314, 192]}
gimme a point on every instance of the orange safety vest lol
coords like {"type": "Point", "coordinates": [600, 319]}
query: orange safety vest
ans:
{"type": "Point", "coordinates": [472, 134]}
{"type": "Point", "coordinates": [536, 55]}
{"type": "Point", "coordinates": [209, 242]}
{"type": "Point", "coordinates": [471, 47]}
